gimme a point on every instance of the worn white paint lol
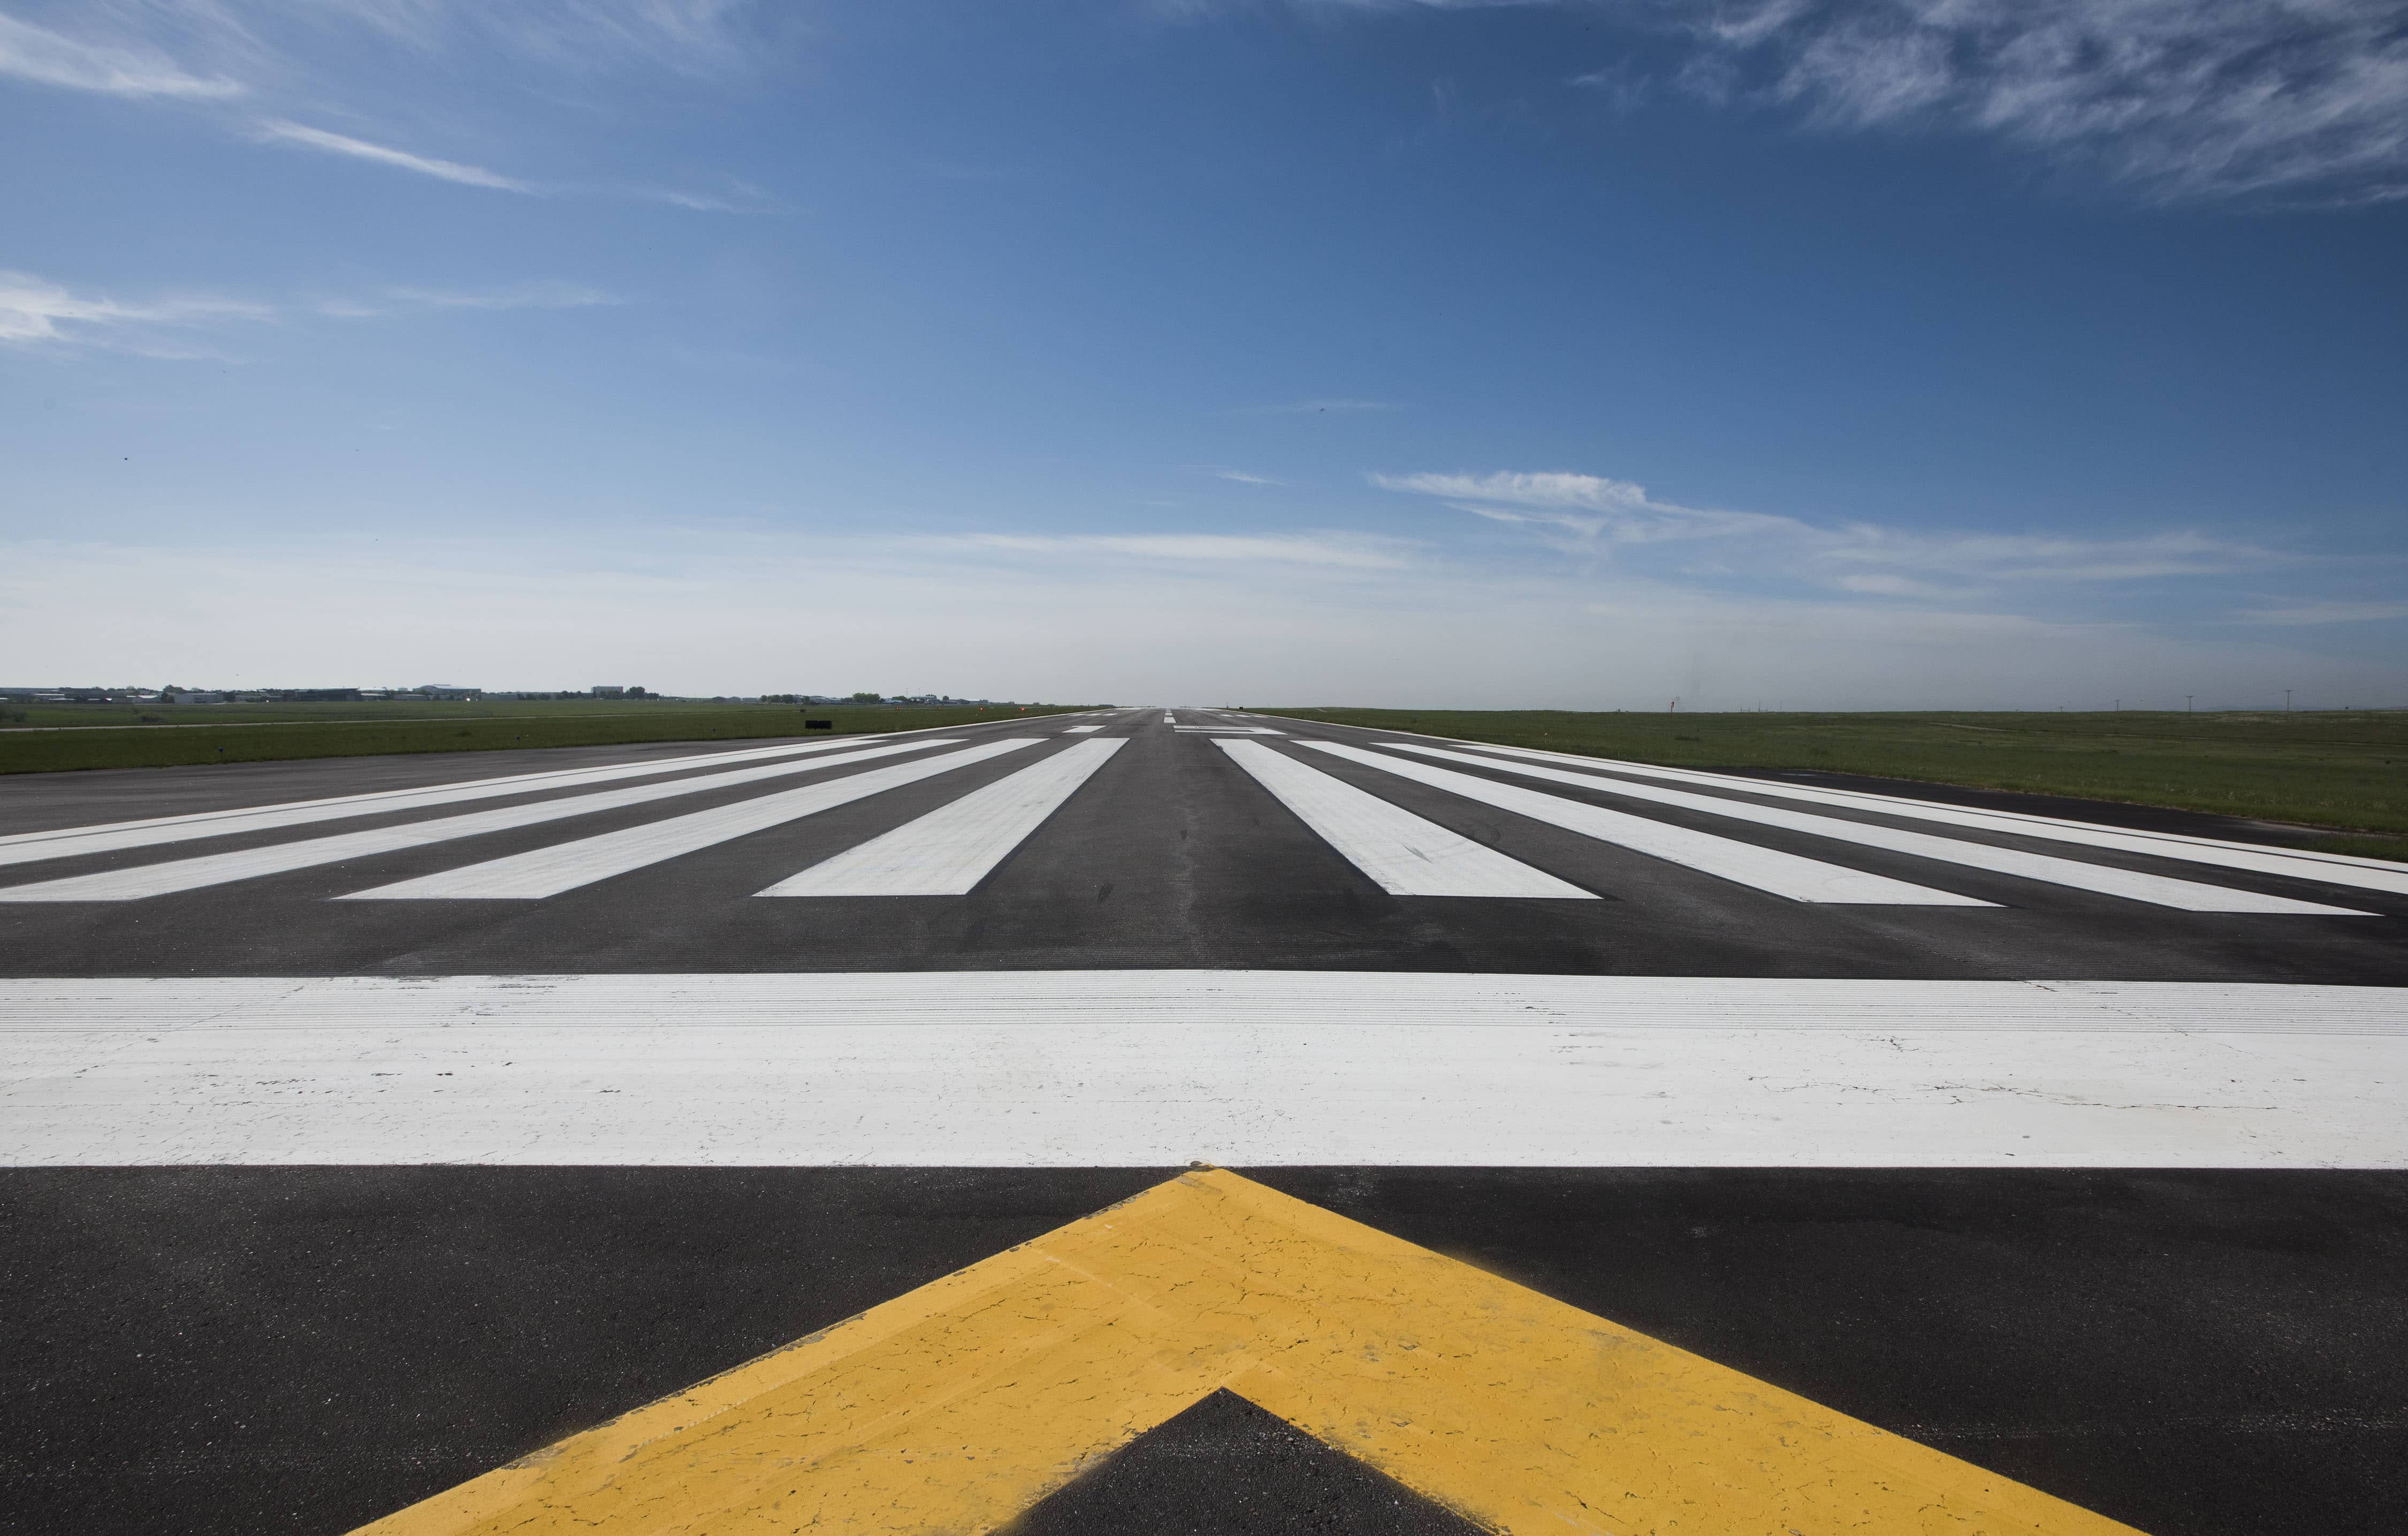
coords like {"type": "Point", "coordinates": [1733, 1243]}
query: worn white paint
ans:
{"type": "Point", "coordinates": [188, 874]}
{"type": "Point", "coordinates": [564, 866]}
{"type": "Point", "coordinates": [1082, 730]}
{"type": "Point", "coordinates": [1100, 1068]}
{"type": "Point", "coordinates": [1726, 858]}
{"type": "Point", "coordinates": [69, 842]}
{"type": "Point", "coordinates": [1404, 855]}
{"type": "Point", "coordinates": [949, 850]}
{"type": "Point", "coordinates": [2371, 874]}
{"type": "Point", "coordinates": [2107, 880]}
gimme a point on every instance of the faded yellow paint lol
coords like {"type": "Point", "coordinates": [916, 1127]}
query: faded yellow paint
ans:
{"type": "Point", "coordinates": [955, 1407]}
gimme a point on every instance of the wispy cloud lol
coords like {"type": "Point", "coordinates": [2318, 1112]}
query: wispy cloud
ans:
{"type": "Point", "coordinates": [1221, 471]}
{"type": "Point", "coordinates": [1592, 506]}
{"type": "Point", "coordinates": [523, 295]}
{"type": "Point", "coordinates": [118, 69]}
{"type": "Point", "coordinates": [1597, 514]}
{"type": "Point", "coordinates": [1345, 551]}
{"type": "Point", "coordinates": [2179, 99]}
{"type": "Point", "coordinates": [259, 58]}
{"type": "Point", "coordinates": [2182, 99]}
{"type": "Point", "coordinates": [278, 130]}
{"type": "Point", "coordinates": [2314, 613]}
{"type": "Point", "coordinates": [35, 312]}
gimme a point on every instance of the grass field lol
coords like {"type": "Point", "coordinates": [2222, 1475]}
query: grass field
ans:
{"type": "Point", "coordinates": [2344, 771]}
{"type": "Point", "coordinates": [360, 730]}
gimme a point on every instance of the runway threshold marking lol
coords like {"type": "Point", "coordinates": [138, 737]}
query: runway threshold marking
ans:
{"type": "Point", "coordinates": [2370, 874]}
{"type": "Point", "coordinates": [186, 874]}
{"type": "Point", "coordinates": [1404, 855]}
{"type": "Point", "coordinates": [540, 872]}
{"type": "Point", "coordinates": [2107, 880]}
{"type": "Point", "coordinates": [1728, 858]}
{"type": "Point", "coordinates": [70, 842]}
{"type": "Point", "coordinates": [949, 850]}
{"type": "Point", "coordinates": [959, 1405]}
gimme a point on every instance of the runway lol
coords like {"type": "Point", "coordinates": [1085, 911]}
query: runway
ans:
{"type": "Point", "coordinates": [366, 1124]}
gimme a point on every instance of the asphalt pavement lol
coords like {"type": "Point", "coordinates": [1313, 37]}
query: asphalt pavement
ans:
{"type": "Point", "coordinates": [367, 1124]}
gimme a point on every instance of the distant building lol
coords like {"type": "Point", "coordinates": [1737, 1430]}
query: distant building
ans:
{"type": "Point", "coordinates": [449, 690]}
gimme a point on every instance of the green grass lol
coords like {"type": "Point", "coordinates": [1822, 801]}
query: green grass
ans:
{"type": "Point", "coordinates": [357, 730]}
{"type": "Point", "coordinates": [2327, 769]}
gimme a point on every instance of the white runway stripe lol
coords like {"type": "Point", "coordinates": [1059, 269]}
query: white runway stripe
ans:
{"type": "Point", "coordinates": [1080, 730]}
{"type": "Point", "coordinates": [67, 842]}
{"type": "Point", "coordinates": [1726, 858]}
{"type": "Point", "coordinates": [949, 851]}
{"type": "Point", "coordinates": [1402, 852]}
{"type": "Point", "coordinates": [2370, 874]}
{"type": "Point", "coordinates": [1148, 1068]}
{"type": "Point", "coordinates": [186, 874]}
{"type": "Point", "coordinates": [2132, 884]}
{"type": "Point", "coordinates": [564, 867]}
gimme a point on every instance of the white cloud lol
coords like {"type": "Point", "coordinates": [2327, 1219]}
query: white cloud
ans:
{"type": "Point", "coordinates": [37, 53]}
{"type": "Point", "coordinates": [34, 310]}
{"type": "Point", "coordinates": [525, 295]}
{"type": "Point", "coordinates": [1614, 510]}
{"type": "Point", "coordinates": [1595, 512]}
{"type": "Point", "coordinates": [271, 54]}
{"type": "Point", "coordinates": [278, 130]}
{"type": "Point", "coordinates": [2179, 99]}
{"type": "Point", "coordinates": [1883, 584]}
{"type": "Point", "coordinates": [2326, 612]}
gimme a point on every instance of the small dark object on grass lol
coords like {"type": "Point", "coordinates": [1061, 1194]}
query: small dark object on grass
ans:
{"type": "Point", "coordinates": [819, 724]}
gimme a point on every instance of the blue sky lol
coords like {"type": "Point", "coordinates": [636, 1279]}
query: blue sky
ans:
{"type": "Point", "coordinates": [1894, 354]}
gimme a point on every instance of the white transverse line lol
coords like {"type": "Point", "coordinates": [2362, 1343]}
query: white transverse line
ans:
{"type": "Point", "coordinates": [65, 842]}
{"type": "Point", "coordinates": [1765, 869]}
{"type": "Point", "coordinates": [1153, 1068]}
{"type": "Point", "coordinates": [1082, 730]}
{"type": "Point", "coordinates": [146, 880]}
{"type": "Point", "coordinates": [2371, 874]}
{"type": "Point", "coordinates": [1403, 854]}
{"type": "Point", "coordinates": [564, 866]}
{"type": "Point", "coordinates": [2132, 884]}
{"type": "Point", "coordinates": [949, 851]}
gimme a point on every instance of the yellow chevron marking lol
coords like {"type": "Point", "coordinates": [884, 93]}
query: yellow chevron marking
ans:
{"type": "Point", "coordinates": [954, 1408]}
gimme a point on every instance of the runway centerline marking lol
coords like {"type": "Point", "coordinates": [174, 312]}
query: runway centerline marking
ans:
{"type": "Point", "coordinates": [188, 874]}
{"type": "Point", "coordinates": [960, 1404]}
{"type": "Point", "coordinates": [1766, 869]}
{"type": "Point", "coordinates": [2107, 880]}
{"type": "Point", "coordinates": [949, 850]}
{"type": "Point", "coordinates": [564, 866]}
{"type": "Point", "coordinates": [1404, 855]}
